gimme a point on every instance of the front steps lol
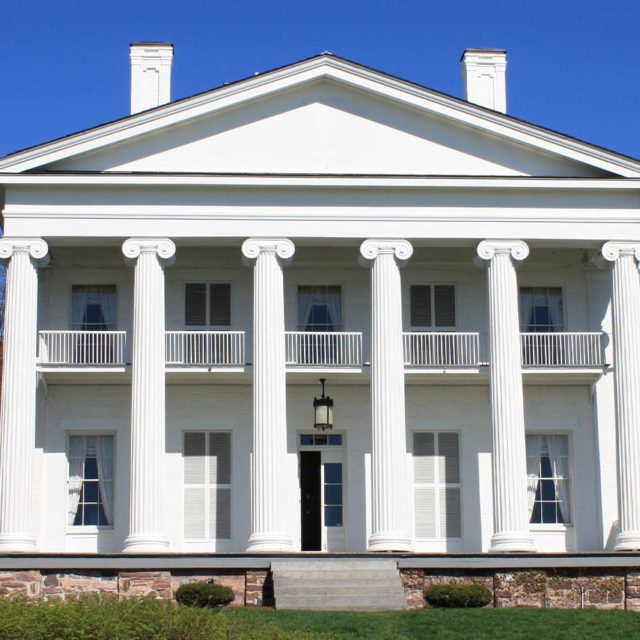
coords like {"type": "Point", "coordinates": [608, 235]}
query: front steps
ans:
{"type": "Point", "coordinates": [335, 584]}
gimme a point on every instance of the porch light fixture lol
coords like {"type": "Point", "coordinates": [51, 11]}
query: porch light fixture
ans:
{"type": "Point", "coordinates": [323, 410]}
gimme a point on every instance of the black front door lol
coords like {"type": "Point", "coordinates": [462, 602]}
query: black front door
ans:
{"type": "Point", "coordinates": [310, 490]}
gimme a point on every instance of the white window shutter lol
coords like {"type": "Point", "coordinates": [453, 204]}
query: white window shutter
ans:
{"type": "Point", "coordinates": [423, 457]}
{"type": "Point", "coordinates": [194, 513]}
{"type": "Point", "coordinates": [220, 513]}
{"type": "Point", "coordinates": [219, 458]}
{"type": "Point", "coordinates": [425, 512]}
{"type": "Point", "coordinates": [194, 458]}
{"type": "Point", "coordinates": [450, 512]}
{"type": "Point", "coordinates": [448, 458]}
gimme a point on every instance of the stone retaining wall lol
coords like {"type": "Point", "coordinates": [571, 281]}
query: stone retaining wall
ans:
{"type": "Point", "coordinates": [251, 588]}
{"type": "Point", "coordinates": [567, 588]}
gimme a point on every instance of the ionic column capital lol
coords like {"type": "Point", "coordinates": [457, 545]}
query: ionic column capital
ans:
{"type": "Point", "coordinates": [36, 248]}
{"type": "Point", "coordinates": [281, 248]}
{"type": "Point", "coordinates": [401, 250]}
{"type": "Point", "coordinates": [163, 248]}
{"type": "Point", "coordinates": [614, 249]}
{"type": "Point", "coordinates": [517, 250]}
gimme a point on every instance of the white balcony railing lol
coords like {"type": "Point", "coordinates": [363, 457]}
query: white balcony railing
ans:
{"type": "Point", "coordinates": [441, 349]}
{"type": "Point", "coordinates": [323, 349]}
{"type": "Point", "coordinates": [575, 349]}
{"type": "Point", "coordinates": [83, 348]}
{"type": "Point", "coordinates": [205, 348]}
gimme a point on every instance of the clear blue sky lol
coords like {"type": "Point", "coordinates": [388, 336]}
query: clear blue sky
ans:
{"type": "Point", "coordinates": [573, 64]}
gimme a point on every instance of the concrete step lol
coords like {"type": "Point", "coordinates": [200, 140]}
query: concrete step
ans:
{"type": "Point", "coordinates": [333, 585]}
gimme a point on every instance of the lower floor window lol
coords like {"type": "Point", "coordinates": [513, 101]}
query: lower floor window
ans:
{"type": "Point", "coordinates": [549, 482]}
{"type": "Point", "coordinates": [207, 485]}
{"type": "Point", "coordinates": [90, 484]}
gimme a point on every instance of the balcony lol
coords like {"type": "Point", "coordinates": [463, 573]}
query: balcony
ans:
{"type": "Point", "coordinates": [331, 349]}
{"type": "Point", "coordinates": [584, 350]}
{"type": "Point", "coordinates": [83, 348]}
{"type": "Point", "coordinates": [205, 348]}
{"type": "Point", "coordinates": [441, 350]}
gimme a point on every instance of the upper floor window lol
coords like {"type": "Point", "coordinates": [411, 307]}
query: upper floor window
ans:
{"type": "Point", "coordinates": [90, 484]}
{"type": "Point", "coordinates": [433, 306]}
{"type": "Point", "coordinates": [549, 482]}
{"type": "Point", "coordinates": [93, 307]}
{"type": "Point", "coordinates": [207, 304]}
{"type": "Point", "coordinates": [541, 309]}
{"type": "Point", "coordinates": [319, 308]}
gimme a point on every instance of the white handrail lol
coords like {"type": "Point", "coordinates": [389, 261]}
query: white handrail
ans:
{"type": "Point", "coordinates": [441, 349]}
{"type": "Point", "coordinates": [85, 348]}
{"type": "Point", "coordinates": [323, 348]}
{"type": "Point", "coordinates": [205, 348]}
{"type": "Point", "coordinates": [562, 349]}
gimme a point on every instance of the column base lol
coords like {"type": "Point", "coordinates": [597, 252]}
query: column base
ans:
{"type": "Point", "coordinates": [628, 541]}
{"type": "Point", "coordinates": [269, 542]}
{"type": "Point", "coordinates": [12, 543]}
{"type": "Point", "coordinates": [140, 543]}
{"type": "Point", "coordinates": [389, 541]}
{"type": "Point", "coordinates": [512, 542]}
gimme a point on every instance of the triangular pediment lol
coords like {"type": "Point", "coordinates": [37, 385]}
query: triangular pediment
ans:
{"type": "Point", "coordinates": [323, 116]}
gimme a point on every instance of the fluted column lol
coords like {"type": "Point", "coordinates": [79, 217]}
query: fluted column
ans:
{"type": "Point", "coordinates": [268, 468]}
{"type": "Point", "coordinates": [18, 409]}
{"type": "Point", "coordinates": [390, 526]}
{"type": "Point", "coordinates": [509, 459]}
{"type": "Point", "coordinates": [626, 352]}
{"type": "Point", "coordinates": [147, 477]}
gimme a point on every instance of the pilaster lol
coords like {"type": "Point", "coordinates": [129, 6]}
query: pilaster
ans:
{"type": "Point", "coordinates": [268, 468]}
{"type": "Point", "coordinates": [510, 507]}
{"type": "Point", "coordinates": [147, 478]}
{"type": "Point", "coordinates": [18, 411]}
{"type": "Point", "coordinates": [624, 257]}
{"type": "Point", "coordinates": [389, 489]}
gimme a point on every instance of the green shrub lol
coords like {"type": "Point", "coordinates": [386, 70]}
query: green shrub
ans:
{"type": "Point", "coordinates": [458, 595]}
{"type": "Point", "coordinates": [198, 594]}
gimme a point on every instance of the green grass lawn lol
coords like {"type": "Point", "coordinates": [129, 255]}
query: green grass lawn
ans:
{"type": "Point", "coordinates": [108, 619]}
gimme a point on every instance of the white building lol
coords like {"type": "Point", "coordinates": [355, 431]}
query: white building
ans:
{"type": "Point", "coordinates": [465, 281]}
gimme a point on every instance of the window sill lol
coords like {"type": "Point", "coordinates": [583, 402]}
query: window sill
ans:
{"type": "Point", "coordinates": [88, 530]}
{"type": "Point", "coordinates": [555, 528]}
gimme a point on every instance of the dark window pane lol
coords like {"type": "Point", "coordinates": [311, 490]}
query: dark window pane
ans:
{"type": "Point", "coordinates": [333, 494]}
{"type": "Point", "coordinates": [90, 469]}
{"type": "Point", "coordinates": [321, 439]}
{"type": "Point", "coordinates": [220, 305]}
{"type": "Point", "coordinates": [91, 492]}
{"type": "Point", "coordinates": [545, 467]}
{"type": "Point", "coordinates": [333, 516]}
{"type": "Point", "coordinates": [102, 518]}
{"type": "Point", "coordinates": [91, 514]}
{"type": "Point", "coordinates": [420, 296]}
{"type": "Point", "coordinates": [195, 304]}
{"type": "Point", "coordinates": [536, 516]}
{"type": "Point", "coordinates": [548, 489]}
{"type": "Point", "coordinates": [548, 512]}
{"type": "Point", "coordinates": [335, 438]}
{"type": "Point", "coordinates": [306, 439]}
{"type": "Point", "coordinates": [333, 472]}
{"type": "Point", "coordinates": [445, 305]}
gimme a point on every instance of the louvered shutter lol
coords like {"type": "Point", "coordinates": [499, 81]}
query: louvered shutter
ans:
{"type": "Point", "coordinates": [219, 458]}
{"type": "Point", "coordinates": [449, 474]}
{"type": "Point", "coordinates": [220, 305]}
{"type": "Point", "coordinates": [194, 486]}
{"type": "Point", "coordinates": [425, 496]}
{"type": "Point", "coordinates": [220, 485]}
{"type": "Point", "coordinates": [444, 302]}
{"type": "Point", "coordinates": [195, 307]}
{"type": "Point", "coordinates": [420, 302]}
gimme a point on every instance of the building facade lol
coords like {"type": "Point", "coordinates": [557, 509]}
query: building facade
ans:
{"type": "Point", "coordinates": [178, 282]}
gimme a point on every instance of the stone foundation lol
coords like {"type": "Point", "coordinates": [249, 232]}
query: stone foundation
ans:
{"type": "Point", "coordinates": [570, 588]}
{"type": "Point", "coordinates": [251, 588]}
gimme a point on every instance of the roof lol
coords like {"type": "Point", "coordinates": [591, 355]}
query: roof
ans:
{"type": "Point", "coordinates": [32, 157]}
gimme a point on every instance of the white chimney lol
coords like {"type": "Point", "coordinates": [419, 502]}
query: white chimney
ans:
{"type": "Point", "coordinates": [484, 74]}
{"type": "Point", "coordinates": [150, 75]}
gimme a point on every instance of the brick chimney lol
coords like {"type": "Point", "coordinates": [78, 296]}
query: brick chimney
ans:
{"type": "Point", "coordinates": [150, 74]}
{"type": "Point", "coordinates": [484, 74]}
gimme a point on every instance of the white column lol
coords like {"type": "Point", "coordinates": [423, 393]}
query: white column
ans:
{"type": "Point", "coordinates": [18, 413]}
{"type": "Point", "coordinates": [390, 525]}
{"type": "Point", "coordinates": [626, 354]}
{"type": "Point", "coordinates": [509, 459]}
{"type": "Point", "coordinates": [147, 477]}
{"type": "Point", "coordinates": [268, 462]}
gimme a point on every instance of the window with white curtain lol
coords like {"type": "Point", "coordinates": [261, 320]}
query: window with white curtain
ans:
{"type": "Point", "coordinates": [93, 307]}
{"type": "Point", "coordinates": [432, 306]}
{"type": "Point", "coordinates": [319, 308]}
{"type": "Point", "coordinates": [207, 485]}
{"type": "Point", "coordinates": [90, 480]}
{"type": "Point", "coordinates": [541, 309]}
{"type": "Point", "coordinates": [436, 465]}
{"type": "Point", "coordinates": [548, 479]}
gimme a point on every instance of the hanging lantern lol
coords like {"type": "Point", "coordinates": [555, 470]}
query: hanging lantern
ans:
{"type": "Point", "coordinates": [323, 410]}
